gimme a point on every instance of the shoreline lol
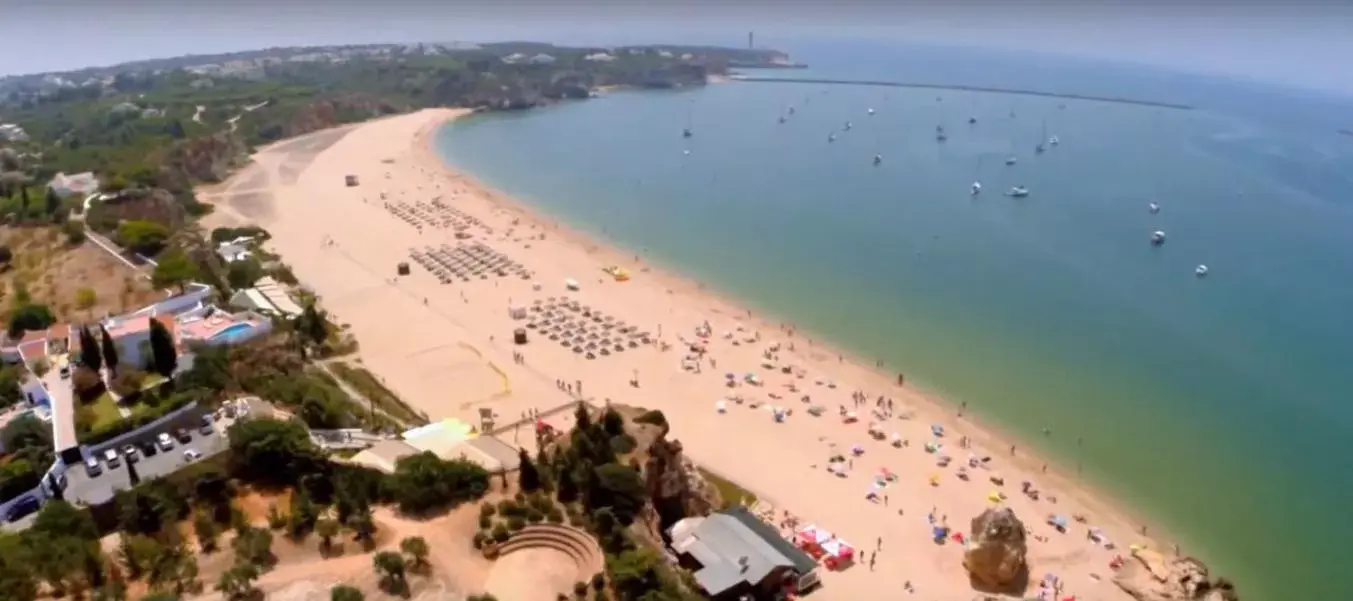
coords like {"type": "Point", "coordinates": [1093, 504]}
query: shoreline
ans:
{"type": "Point", "coordinates": [340, 242]}
{"type": "Point", "coordinates": [928, 403]}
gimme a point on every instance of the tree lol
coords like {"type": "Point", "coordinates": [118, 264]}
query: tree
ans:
{"type": "Point", "coordinates": [567, 489]}
{"type": "Point", "coordinates": [144, 237]}
{"type": "Point", "coordinates": [363, 525]}
{"type": "Point", "coordinates": [272, 452]}
{"type": "Point", "coordinates": [311, 324]}
{"type": "Point", "coordinates": [612, 422]}
{"type": "Point", "coordinates": [89, 350]}
{"type": "Point", "coordinates": [52, 202]}
{"type": "Point", "coordinates": [528, 477]}
{"type": "Point", "coordinates": [390, 567]}
{"type": "Point", "coordinates": [75, 232]}
{"type": "Point", "coordinates": [109, 350]}
{"type": "Point", "coordinates": [238, 581]}
{"type": "Point", "coordinates": [17, 579]}
{"type": "Point", "coordinates": [425, 482]}
{"type": "Point", "coordinates": [161, 596]}
{"type": "Point", "coordinates": [85, 298]}
{"type": "Point", "coordinates": [175, 269]}
{"type": "Point", "coordinates": [301, 518]}
{"type": "Point", "coordinates": [326, 530]}
{"type": "Point", "coordinates": [11, 389]}
{"type": "Point", "coordinates": [253, 546]}
{"type": "Point", "coordinates": [417, 549]}
{"type": "Point", "coordinates": [9, 160]}
{"type": "Point", "coordinates": [23, 200]}
{"type": "Point", "coordinates": [30, 317]}
{"type": "Point", "coordinates": [60, 519]}
{"type": "Point", "coordinates": [618, 487]}
{"type": "Point", "coordinates": [163, 353]}
{"type": "Point", "coordinates": [204, 527]}
{"type": "Point", "coordinates": [6, 255]}
{"type": "Point", "coordinates": [343, 592]}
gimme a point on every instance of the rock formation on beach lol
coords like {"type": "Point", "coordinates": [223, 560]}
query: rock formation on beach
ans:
{"type": "Point", "coordinates": [1150, 576]}
{"type": "Point", "coordinates": [995, 555]}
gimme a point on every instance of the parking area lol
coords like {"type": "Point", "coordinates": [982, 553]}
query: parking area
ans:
{"type": "Point", "coordinates": [152, 460]}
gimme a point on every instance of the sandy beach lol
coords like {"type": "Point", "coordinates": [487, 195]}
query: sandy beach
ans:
{"type": "Point", "coordinates": [448, 349]}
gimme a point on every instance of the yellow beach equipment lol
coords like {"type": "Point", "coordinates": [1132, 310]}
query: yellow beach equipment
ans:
{"type": "Point", "coordinates": [934, 479]}
{"type": "Point", "coordinates": [995, 497]}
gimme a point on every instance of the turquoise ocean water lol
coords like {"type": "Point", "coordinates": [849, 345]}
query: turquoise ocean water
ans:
{"type": "Point", "coordinates": [1218, 407]}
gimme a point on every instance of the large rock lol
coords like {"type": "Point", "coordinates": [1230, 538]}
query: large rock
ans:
{"type": "Point", "coordinates": [995, 555]}
{"type": "Point", "coordinates": [1150, 576]}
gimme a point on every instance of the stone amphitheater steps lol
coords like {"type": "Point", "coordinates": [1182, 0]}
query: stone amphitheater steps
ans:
{"type": "Point", "coordinates": [577, 544]}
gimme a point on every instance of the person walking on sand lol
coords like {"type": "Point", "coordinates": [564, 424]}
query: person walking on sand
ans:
{"type": "Point", "coordinates": [871, 560]}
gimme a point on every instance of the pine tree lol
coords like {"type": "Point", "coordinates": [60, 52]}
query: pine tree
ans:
{"type": "Point", "coordinates": [89, 350]}
{"type": "Point", "coordinates": [162, 351]}
{"type": "Point", "coordinates": [109, 350]}
{"type": "Point", "coordinates": [528, 477]}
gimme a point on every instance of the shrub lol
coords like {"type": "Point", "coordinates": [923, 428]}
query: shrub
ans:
{"type": "Point", "coordinates": [580, 589]}
{"type": "Point", "coordinates": [623, 443]}
{"type": "Point", "coordinates": [487, 509]}
{"type": "Point", "coordinates": [534, 516]}
{"type": "Point", "coordinates": [75, 232]}
{"type": "Point", "coordinates": [598, 581]}
{"type": "Point", "coordinates": [520, 497]}
{"type": "Point", "coordinates": [485, 521]}
{"type": "Point", "coordinates": [515, 523]}
{"type": "Point", "coordinates": [541, 502]}
{"type": "Point", "coordinates": [275, 518]}
{"type": "Point", "coordinates": [653, 418]}
{"type": "Point", "coordinates": [500, 533]}
{"type": "Point", "coordinates": [479, 539]}
{"type": "Point", "coordinates": [575, 520]}
{"type": "Point", "coordinates": [507, 507]}
{"type": "Point", "coordinates": [554, 516]}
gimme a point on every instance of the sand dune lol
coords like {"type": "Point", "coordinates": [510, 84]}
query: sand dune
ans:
{"type": "Point", "coordinates": [448, 350]}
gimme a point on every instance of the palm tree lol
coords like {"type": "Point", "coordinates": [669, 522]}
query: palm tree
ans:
{"type": "Point", "coordinates": [326, 529]}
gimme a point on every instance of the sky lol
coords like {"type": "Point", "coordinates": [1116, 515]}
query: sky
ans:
{"type": "Point", "coordinates": [1298, 43]}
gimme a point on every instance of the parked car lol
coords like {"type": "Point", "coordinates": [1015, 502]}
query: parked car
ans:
{"type": "Point", "coordinates": [92, 467]}
{"type": "Point", "coordinates": [206, 428]}
{"type": "Point", "coordinates": [148, 448]}
{"type": "Point", "coordinates": [183, 435]}
{"type": "Point", "coordinates": [22, 508]}
{"type": "Point", "coordinates": [111, 458]}
{"type": "Point", "coordinates": [131, 453]}
{"type": "Point", "coordinates": [164, 441]}
{"type": "Point", "coordinates": [191, 455]}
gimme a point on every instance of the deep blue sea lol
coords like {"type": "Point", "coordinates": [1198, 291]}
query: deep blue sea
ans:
{"type": "Point", "coordinates": [1218, 407]}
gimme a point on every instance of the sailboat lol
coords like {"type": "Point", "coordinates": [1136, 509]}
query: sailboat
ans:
{"type": "Point", "coordinates": [939, 133]}
{"type": "Point", "coordinates": [831, 137]}
{"type": "Point", "coordinates": [688, 132]}
{"type": "Point", "coordinates": [1053, 141]}
{"type": "Point", "coordinates": [847, 128]}
{"type": "Point", "coordinates": [1153, 208]}
{"type": "Point", "coordinates": [972, 120]}
{"type": "Point", "coordinates": [878, 159]}
{"type": "Point", "coordinates": [976, 187]}
{"type": "Point", "coordinates": [871, 112]}
{"type": "Point", "coordinates": [782, 119]}
{"type": "Point", "coordinates": [791, 110]}
{"type": "Point", "coordinates": [1039, 149]}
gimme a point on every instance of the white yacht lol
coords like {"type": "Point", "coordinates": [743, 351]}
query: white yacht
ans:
{"type": "Point", "coordinates": [1153, 208]}
{"type": "Point", "coordinates": [976, 188]}
{"type": "Point", "coordinates": [1053, 141]}
{"type": "Point", "coordinates": [1201, 271]}
{"type": "Point", "coordinates": [871, 111]}
{"type": "Point", "coordinates": [1018, 192]}
{"type": "Point", "coordinates": [1158, 237]}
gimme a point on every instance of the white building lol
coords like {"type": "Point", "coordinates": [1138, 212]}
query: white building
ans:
{"type": "Point", "coordinates": [12, 132]}
{"type": "Point", "coordinates": [599, 57]}
{"type": "Point", "coordinates": [542, 59]}
{"type": "Point", "coordinates": [83, 184]}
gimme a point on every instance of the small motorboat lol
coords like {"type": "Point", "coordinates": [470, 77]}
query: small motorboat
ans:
{"type": "Point", "coordinates": [1053, 141]}
{"type": "Point", "coordinates": [1153, 208]}
{"type": "Point", "coordinates": [871, 111]}
{"type": "Point", "coordinates": [878, 158]}
{"type": "Point", "coordinates": [685, 152]}
{"type": "Point", "coordinates": [686, 133]}
{"type": "Point", "coordinates": [1039, 149]}
{"type": "Point", "coordinates": [1157, 237]}
{"type": "Point", "coordinates": [1010, 160]}
{"type": "Point", "coordinates": [976, 188]}
{"type": "Point", "coordinates": [972, 120]}
{"type": "Point", "coordinates": [831, 137]}
{"type": "Point", "coordinates": [782, 119]}
{"type": "Point", "coordinates": [791, 110]}
{"type": "Point", "coordinates": [1201, 271]}
{"type": "Point", "coordinates": [1018, 192]}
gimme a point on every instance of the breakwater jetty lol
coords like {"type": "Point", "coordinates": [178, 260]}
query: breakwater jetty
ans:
{"type": "Point", "coordinates": [935, 86]}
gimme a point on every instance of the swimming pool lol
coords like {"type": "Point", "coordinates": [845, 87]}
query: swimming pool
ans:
{"type": "Point", "coordinates": [235, 333]}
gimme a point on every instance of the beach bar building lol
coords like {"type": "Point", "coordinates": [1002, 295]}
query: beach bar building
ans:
{"type": "Point", "coordinates": [735, 556]}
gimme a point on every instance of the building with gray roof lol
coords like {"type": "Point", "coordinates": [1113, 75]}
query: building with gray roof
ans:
{"type": "Point", "coordinates": [733, 556]}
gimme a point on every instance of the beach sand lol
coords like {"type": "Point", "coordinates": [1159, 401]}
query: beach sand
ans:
{"type": "Point", "coordinates": [448, 350]}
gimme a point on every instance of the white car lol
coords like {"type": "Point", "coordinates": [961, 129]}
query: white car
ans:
{"type": "Point", "coordinates": [164, 441]}
{"type": "Point", "coordinates": [92, 466]}
{"type": "Point", "coordinates": [110, 456]}
{"type": "Point", "coordinates": [191, 455]}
